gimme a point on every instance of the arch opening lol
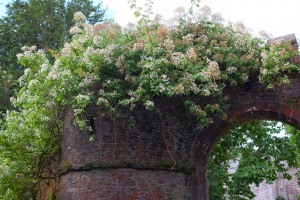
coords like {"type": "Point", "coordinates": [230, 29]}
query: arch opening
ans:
{"type": "Point", "coordinates": [257, 112]}
{"type": "Point", "coordinates": [254, 160]}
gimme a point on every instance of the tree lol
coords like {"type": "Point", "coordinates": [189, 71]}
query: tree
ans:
{"type": "Point", "coordinates": [40, 23]}
{"type": "Point", "coordinates": [295, 140]}
{"type": "Point", "coordinates": [260, 153]}
{"type": "Point", "coordinates": [6, 89]}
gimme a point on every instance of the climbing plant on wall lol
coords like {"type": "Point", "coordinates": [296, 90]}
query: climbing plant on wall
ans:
{"type": "Point", "coordinates": [192, 55]}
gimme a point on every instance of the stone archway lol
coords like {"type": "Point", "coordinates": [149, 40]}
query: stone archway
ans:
{"type": "Point", "coordinates": [125, 163]}
{"type": "Point", "coordinates": [283, 106]}
{"type": "Point", "coordinates": [160, 157]}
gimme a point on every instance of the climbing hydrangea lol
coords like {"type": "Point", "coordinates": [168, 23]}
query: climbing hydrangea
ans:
{"type": "Point", "coordinates": [114, 66]}
{"type": "Point", "coordinates": [194, 57]}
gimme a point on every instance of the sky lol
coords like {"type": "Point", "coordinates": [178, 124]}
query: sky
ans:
{"type": "Point", "coordinates": [276, 17]}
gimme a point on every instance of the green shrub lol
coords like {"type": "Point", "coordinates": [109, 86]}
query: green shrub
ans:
{"type": "Point", "coordinates": [280, 198]}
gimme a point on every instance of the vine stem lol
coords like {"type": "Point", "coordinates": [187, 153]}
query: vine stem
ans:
{"type": "Point", "coordinates": [115, 135]}
{"type": "Point", "coordinates": [165, 140]}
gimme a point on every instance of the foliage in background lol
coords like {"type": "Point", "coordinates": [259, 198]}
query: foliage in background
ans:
{"type": "Point", "coordinates": [27, 152]}
{"type": "Point", "coordinates": [186, 57]}
{"type": "Point", "coordinates": [7, 84]}
{"type": "Point", "coordinates": [295, 140]}
{"type": "Point", "coordinates": [260, 153]}
{"type": "Point", "coordinates": [40, 23]}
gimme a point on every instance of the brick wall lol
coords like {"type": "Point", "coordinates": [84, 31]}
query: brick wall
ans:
{"type": "Point", "coordinates": [125, 184]}
{"type": "Point", "coordinates": [162, 153]}
{"type": "Point", "coordinates": [150, 160]}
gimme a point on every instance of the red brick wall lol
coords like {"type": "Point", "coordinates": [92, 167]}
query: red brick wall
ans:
{"type": "Point", "coordinates": [161, 157]}
{"type": "Point", "coordinates": [125, 184]}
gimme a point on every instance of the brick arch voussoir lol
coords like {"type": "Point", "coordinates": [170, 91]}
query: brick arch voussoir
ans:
{"type": "Point", "coordinates": [242, 113]}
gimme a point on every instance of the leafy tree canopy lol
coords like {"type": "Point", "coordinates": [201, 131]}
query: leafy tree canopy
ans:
{"type": "Point", "coordinates": [261, 155]}
{"type": "Point", "coordinates": [40, 23]}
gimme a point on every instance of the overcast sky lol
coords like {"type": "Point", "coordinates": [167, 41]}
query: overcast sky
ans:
{"type": "Point", "coordinates": [273, 16]}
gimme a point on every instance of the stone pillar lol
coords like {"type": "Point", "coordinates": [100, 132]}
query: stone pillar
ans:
{"type": "Point", "coordinates": [149, 159]}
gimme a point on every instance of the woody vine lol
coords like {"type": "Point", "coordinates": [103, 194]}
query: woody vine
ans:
{"type": "Point", "coordinates": [192, 55]}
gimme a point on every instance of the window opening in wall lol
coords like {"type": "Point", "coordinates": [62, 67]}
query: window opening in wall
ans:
{"type": "Point", "coordinates": [91, 123]}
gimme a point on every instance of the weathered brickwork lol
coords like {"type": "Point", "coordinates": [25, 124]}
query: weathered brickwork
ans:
{"type": "Point", "coordinates": [153, 155]}
{"type": "Point", "coordinates": [151, 140]}
{"type": "Point", "coordinates": [160, 156]}
{"type": "Point", "coordinates": [125, 184]}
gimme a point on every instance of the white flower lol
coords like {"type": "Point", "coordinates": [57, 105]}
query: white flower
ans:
{"type": "Point", "coordinates": [177, 58]}
{"type": "Point", "coordinates": [74, 30]}
{"type": "Point", "coordinates": [168, 43]}
{"type": "Point", "coordinates": [161, 87]}
{"type": "Point", "coordinates": [81, 98]}
{"type": "Point", "coordinates": [79, 16]}
{"type": "Point", "coordinates": [67, 50]}
{"type": "Point", "coordinates": [206, 92]}
{"type": "Point", "coordinates": [149, 104]}
{"type": "Point", "coordinates": [44, 67]}
{"type": "Point", "coordinates": [87, 61]}
{"type": "Point", "coordinates": [214, 69]}
{"type": "Point", "coordinates": [191, 54]}
{"type": "Point", "coordinates": [12, 99]}
{"type": "Point", "coordinates": [26, 72]}
{"type": "Point", "coordinates": [25, 48]}
{"type": "Point", "coordinates": [264, 55]}
{"type": "Point", "coordinates": [33, 83]}
{"type": "Point", "coordinates": [42, 54]}
{"type": "Point", "coordinates": [56, 64]}
{"type": "Point", "coordinates": [231, 70]}
{"type": "Point", "coordinates": [263, 71]}
{"type": "Point", "coordinates": [33, 48]}
{"type": "Point", "coordinates": [188, 38]}
{"type": "Point", "coordinates": [52, 75]}
{"type": "Point", "coordinates": [19, 56]}
{"type": "Point", "coordinates": [164, 78]}
{"type": "Point", "coordinates": [138, 46]}
{"type": "Point", "coordinates": [66, 72]}
{"type": "Point", "coordinates": [89, 51]}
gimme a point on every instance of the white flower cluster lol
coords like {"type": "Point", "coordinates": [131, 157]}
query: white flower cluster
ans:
{"type": "Point", "coordinates": [149, 105]}
{"type": "Point", "coordinates": [33, 83]}
{"type": "Point", "coordinates": [97, 40]}
{"type": "Point", "coordinates": [169, 44]}
{"type": "Point", "coordinates": [177, 58]}
{"type": "Point", "coordinates": [75, 30]}
{"type": "Point", "coordinates": [106, 52]}
{"type": "Point", "coordinates": [67, 50]}
{"type": "Point", "coordinates": [27, 52]}
{"type": "Point", "coordinates": [82, 98]}
{"type": "Point", "coordinates": [79, 16]}
{"type": "Point", "coordinates": [213, 71]}
{"type": "Point", "coordinates": [53, 73]}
